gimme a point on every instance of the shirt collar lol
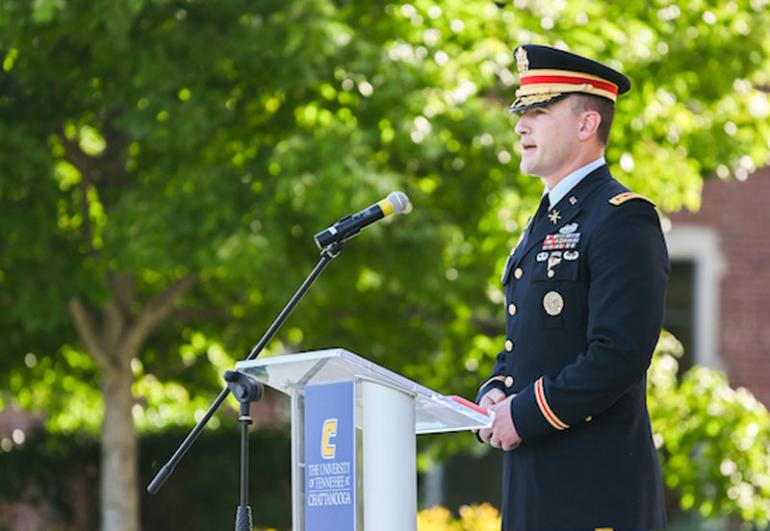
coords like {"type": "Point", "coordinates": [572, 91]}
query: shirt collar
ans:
{"type": "Point", "coordinates": [570, 181]}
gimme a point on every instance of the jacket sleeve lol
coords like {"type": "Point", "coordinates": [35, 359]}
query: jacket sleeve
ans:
{"type": "Point", "coordinates": [628, 271]}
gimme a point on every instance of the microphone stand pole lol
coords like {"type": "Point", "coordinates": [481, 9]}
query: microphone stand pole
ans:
{"type": "Point", "coordinates": [247, 390]}
{"type": "Point", "coordinates": [328, 254]}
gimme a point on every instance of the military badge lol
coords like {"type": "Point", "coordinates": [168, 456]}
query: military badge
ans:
{"type": "Point", "coordinates": [571, 255]}
{"type": "Point", "coordinates": [568, 229]}
{"type": "Point", "coordinates": [553, 260]}
{"type": "Point", "coordinates": [554, 216]}
{"type": "Point", "coordinates": [627, 196]}
{"type": "Point", "coordinates": [561, 241]}
{"type": "Point", "coordinates": [542, 257]}
{"type": "Point", "coordinates": [522, 61]}
{"type": "Point", "coordinates": [553, 303]}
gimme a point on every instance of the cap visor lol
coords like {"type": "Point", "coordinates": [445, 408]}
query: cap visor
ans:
{"type": "Point", "coordinates": [535, 100]}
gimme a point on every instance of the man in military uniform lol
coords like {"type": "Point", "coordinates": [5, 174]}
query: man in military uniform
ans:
{"type": "Point", "coordinates": [584, 296]}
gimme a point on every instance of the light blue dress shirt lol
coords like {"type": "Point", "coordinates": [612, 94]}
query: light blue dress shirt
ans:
{"type": "Point", "coordinates": [571, 181]}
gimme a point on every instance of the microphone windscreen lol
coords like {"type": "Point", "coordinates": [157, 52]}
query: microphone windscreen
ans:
{"type": "Point", "coordinates": [400, 202]}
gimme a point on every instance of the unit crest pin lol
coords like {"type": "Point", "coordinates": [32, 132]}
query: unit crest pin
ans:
{"type": "Point", "coordinates": [522, 61]}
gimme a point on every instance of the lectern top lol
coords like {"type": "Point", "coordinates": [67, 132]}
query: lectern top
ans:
{"type": "Point", "coordinates": [434, 412]}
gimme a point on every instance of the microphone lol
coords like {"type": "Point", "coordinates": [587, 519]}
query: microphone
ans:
{"type": "Point", "coordinates": [347, 227]}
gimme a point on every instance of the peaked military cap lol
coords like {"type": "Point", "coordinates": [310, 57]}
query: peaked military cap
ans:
{"type": "Point", "coordinates": [547, 74]}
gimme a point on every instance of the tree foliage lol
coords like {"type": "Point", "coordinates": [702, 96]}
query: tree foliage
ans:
{"type": "Point", "coordinates": [714, 441]}
{"type": "Point", "coordinates": [164, 164]}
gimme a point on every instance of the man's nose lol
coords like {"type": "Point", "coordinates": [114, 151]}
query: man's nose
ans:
{"type": "Point", "coordinates": [521, 126]}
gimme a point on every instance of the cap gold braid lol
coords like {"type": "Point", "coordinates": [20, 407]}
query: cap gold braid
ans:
{"type": "Point", "coordinates": [544, 84]}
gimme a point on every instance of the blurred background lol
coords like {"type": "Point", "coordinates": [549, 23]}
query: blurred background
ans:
{"type": "Point", "coordinates": [164, 165]}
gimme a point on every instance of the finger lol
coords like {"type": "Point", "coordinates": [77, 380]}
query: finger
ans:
{"type": "Point", "coordinates": [496, 397]}
{"type": "Point", "coordinates": [494, 443]}
{"type": "Point", "coordinates": [485, 434]}
{"type": "Point", "coordinates": [492, 397]}
{"type": "Point", "coordinates": [488, 400]}
{"type": "Point", "coordinates": [509, 447]}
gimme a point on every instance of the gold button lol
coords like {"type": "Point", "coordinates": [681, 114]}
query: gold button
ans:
{"type": "Point", "coordinates": [518, 273]}
{"type": "Point", "coordinates": [551, 273]}
{"type": "Point", "coordinates": [508, 345]}
{"type": "Point", "coordinates": [509, 381]}
{"type": "Point", "coordinates": [589, 419]}
{"type": "Point", "coordinates": [512, 309]}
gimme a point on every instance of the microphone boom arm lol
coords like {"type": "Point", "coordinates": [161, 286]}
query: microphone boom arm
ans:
{"type": "Point", "coordinates": [328, 253]}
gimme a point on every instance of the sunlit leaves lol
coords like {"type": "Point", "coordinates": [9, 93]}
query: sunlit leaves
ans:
{"type": "Point", "coordinates": [159, 139]}
{"type": "Point", "coordinates": [714, 440]}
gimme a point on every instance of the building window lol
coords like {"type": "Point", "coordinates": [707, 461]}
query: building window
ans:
{"type": "Point", "coordinates": [679, 318]}
{"type": "Point", "coordinates": [696, 267]}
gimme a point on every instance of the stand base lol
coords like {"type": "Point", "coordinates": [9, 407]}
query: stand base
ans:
{"type": "Point", "coordinates": [243, 518]}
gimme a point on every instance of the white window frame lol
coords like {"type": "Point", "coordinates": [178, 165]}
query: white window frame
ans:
{"type": "Point", "coordinates": [700, 245]}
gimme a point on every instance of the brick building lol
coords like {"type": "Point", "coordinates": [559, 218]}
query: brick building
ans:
{"type": "Point", "coordinates": [719, 295]}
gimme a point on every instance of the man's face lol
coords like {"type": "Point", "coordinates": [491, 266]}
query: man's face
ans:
{"type": "Point", "coordinates": [548, 139]}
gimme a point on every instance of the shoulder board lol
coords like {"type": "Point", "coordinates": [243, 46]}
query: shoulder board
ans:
{"type": "Point", "coordinates": [627, 196]}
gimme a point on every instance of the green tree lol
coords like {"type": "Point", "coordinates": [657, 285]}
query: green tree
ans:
{"type": "Point", "coordinates": [164, 164]}
{"type": "Point", "coordinates": [713, 440]}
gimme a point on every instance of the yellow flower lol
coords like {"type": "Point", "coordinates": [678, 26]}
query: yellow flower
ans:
{"type": "Point", "coordinates": [482, 517]}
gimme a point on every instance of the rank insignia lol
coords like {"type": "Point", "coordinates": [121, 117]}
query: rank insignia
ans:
{"type": "Point", "coordinates": [568, 229]}
{"type": "Point", "coordinates": [572, 200]}
{"type": "Point", "coordinates": [554, 216]}
{"type": "Point", "coordinates": [627, 196]}
{"type": "Point", "coordinates": [561, 241]}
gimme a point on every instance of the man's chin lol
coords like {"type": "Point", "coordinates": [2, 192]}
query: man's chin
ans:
{"type": "Point", "coordinates": [527, 169]}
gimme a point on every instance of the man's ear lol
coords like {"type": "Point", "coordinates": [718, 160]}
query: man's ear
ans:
{"type": "Point", "coordinates": [589, 125]}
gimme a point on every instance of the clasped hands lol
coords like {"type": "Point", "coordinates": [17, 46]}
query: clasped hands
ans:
{"type": "Point", "coordinates": [503, 433]}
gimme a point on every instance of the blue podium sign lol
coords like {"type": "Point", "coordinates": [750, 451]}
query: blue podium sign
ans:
{"type": "Point", "coordinates": [330, 457]}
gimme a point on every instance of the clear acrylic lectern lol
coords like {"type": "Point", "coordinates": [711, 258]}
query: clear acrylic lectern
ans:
{"type": "Point", "coordinates": [369, 484]}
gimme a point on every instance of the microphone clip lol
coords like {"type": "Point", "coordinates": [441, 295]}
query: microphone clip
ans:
{"type": "Point", "coordinates": [332, 250]}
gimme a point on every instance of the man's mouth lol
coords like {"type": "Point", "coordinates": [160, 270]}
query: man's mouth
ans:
{"type": "Point", "coordinates": [528, 148]}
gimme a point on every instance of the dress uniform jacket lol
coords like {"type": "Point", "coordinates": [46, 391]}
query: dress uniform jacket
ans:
{"type": "Point", "coordinates": [584, 293]}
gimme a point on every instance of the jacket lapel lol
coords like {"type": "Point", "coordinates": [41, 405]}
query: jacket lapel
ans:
{"type": "Point", "coordinates": [568, 207]}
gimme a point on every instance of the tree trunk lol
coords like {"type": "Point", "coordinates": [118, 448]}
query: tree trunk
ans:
{"type": "Point", "coordinates": [119, 481]}
{"type": "Point", "coordinates": [114, 341]}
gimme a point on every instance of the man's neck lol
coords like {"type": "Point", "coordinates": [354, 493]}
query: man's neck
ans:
{"type": "Point", "coordinates": [578, 162]}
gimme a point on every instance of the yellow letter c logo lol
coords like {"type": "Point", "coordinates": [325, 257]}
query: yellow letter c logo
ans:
{"type": "Point", "coordinates": [328, 449]}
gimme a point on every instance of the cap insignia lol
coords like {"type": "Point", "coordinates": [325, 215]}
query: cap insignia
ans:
{"type": "Point", "coordinates": [522, 61]}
